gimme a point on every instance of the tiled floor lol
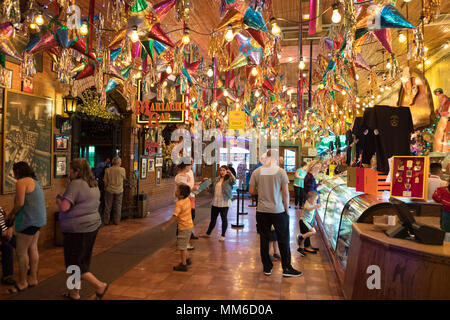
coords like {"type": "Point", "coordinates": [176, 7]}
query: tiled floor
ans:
{"type": "Point", "coordinates": [229, 270]}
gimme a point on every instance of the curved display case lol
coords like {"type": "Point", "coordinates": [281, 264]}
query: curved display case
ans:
{"type": "Point", "coordinates": [342, 206]}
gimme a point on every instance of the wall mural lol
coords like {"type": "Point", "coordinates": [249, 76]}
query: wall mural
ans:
{"type": "Point", "coordinates": [27, 136]}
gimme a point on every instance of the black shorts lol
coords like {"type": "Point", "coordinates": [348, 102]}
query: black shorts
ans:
{"type": "Point", "coordinates": [31, 231]}
{"type": "Point", "coordinates": [78, 249]}
{"type": "Point", "coordinates": [303, 227]}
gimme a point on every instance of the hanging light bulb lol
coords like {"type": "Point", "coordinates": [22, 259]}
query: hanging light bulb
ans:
{"type": "Point", "coordinates": [406, 1]}
{"type": "Point", "coordinates": [427, 62]}
{"type": "Point", "coordinates": [84, 28]}
{"type": "Point", "coordinates": [336, 17]}
{"type": "Point", "coordinates": [165, 84]}
{"type": "Point", "coordinates": [275, 28]}
{"type": "Point", "coordinates": [225, 93]}
{"type": "Point", "coordinates": [186, 38]}
{"type": "Point", "coordinates": [388, 65]}
{"type": "Point", "coordinates": [446, 45]}
{"type": "Point", "coordinates": [39, 19]}
{"type": "Point", "coordinates": [387, 88]}
{"type": "Point", "coordinates": [229, 36]}
{"type": "Point", "coordinates": [33, 26]}
{"type": "Point", "coordinates": [169, 69]}
{"type": "Point", "coordinates": [357, 99]}
{"type": "Point", "coordinates": [357, 76]}
{"type": "Point", "coordinates": [254, 71]}
{"type": "Point", "coordinates": [210, 73]}
{"type": "Point", "coordinates": [381, 89]}
{"type": "Point", "coordinates": [301, 64]}
{"type": "Point", "coordinates": [257, 93]}
{"type": "Point", "coordinates": [134, 36]}
{"type": "Point", "coordinates": [401, 37]}
{"type": "Point", "coordinates": [419, 66]}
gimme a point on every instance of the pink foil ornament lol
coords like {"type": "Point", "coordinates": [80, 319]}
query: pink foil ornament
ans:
{"type": "Point", "coordinates": [46, 42]}
{"type": "Point", "coordinates": [157, 33]}
{"type": "Point", "coordinates": [384, 36]}
{"type": "Point", "coordinates": [163, 8]}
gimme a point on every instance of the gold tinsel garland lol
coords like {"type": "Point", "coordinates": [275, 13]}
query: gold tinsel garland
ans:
{"type": "Point", "coordinates": [92, 106]}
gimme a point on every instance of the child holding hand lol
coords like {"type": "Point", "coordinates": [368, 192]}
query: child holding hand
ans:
{"type": "Point", "coordinates": [305, 223]}
{"type": "Point", "coordinates": [182, 214]}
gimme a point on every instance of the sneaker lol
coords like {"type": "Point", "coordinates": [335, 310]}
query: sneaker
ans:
{"type": "Point", "coordinates": [190, 247]}
{"type": "Point", "coordinates": [302, 252]}
{"type": "Point", "coordinates": [276, 255]}
{"type": "Point", "coordinates": [299, 238]}
{"type": "Point", "coordinates": [310, 250]}
{"type": "Point", "coordinates": [222, 239]}
{"type": "Point", "coordinates": [181, 267]}
{"type": "Point", "coordinates": [291, 272]}
{"type": "Point", "coordinates": [188, 261]}
{"type": "Point", "coordinates": [9, 281]}
{"type": "Point", "coordinates": [268, 272]}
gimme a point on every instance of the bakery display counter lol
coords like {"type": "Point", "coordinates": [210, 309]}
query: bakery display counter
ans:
{"type": "Point", "coordinates": [407, 269]}
{"type": "Point", "coordinates": [343, 206]}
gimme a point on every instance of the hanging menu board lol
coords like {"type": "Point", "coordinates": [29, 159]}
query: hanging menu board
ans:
{"type": "Point", "coordinates": [409, 177]}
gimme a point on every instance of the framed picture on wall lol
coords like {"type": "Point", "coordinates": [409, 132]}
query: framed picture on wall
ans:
{"type": "Point", "coordinates": [144, 168]}
{"type": "Point", "coordinates": [151, 165]}
{"type": "Point", "coordinates": [158, 175]}
{"type": "Point", "coordinates": [27, 136]}
{"type": "Point", "coordinates": [60, 166]}
{"type": "Point", "coordinates": [6, 78]}
{"type": "Point", "coordinates": [158, 162]}
{"type": "Point", "coordinates": [61, 142]}
{"type": "Point", "coordinates": [27, 84]}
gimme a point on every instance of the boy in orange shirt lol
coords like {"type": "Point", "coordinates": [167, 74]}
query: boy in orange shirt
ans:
{"type": "Point", "coordinates": [182, 214]}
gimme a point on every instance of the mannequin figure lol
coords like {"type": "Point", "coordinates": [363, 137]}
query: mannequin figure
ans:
{"type": "Point", "coordinates": [440, 141]}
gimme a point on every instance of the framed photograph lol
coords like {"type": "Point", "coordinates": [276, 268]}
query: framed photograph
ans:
{"type": "Point", "coordinates": [158, 175]}
{"type": "Point", "coordinates": [158, 162]}
{"type": "Point", "coordinates": [27, 85]}
{"type": "Point", "coordinates": [61, 142]}
{"type": "Point", "coordinates": [144, 168]}
{"type": "Point", "coordinates": [60, 166]}
{"type": "Point", "coordinates": [6, 78]}
{"type": "Point", "coordinates": [27, 136]}
{"type": "Point", "coordinates": [151, 165]}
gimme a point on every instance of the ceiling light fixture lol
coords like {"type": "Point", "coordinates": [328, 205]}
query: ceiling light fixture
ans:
{"type": "Point", "coordinates": [229, 36]}
{"type": "Point", "coordinates": [84, 28]}
{"type": "Point", "coordinates": [336, 17]}
{"type": "Point", "coordinates": [134, 36]}
{"type": "Point", "coordinates": [39, 19]}
{"type": "Point", "coordinates": [275, 28]}
{"type": "Point", "coordinates": [301, 64]}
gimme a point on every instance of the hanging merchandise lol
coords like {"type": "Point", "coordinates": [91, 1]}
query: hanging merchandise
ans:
{"type": "Point", "coordinates": [115, 14]}
{"type": "Point", "coordinates": [6, 46]}
{"type": "Point", "coordinates": [10, 11]}
{"type": "Point", "coordinates": [28, 68]}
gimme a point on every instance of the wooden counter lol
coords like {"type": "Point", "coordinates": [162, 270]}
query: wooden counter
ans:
{"type": "Point", "coordinates": [409, 270]}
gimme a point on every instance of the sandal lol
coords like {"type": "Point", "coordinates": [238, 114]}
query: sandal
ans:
{"type": "Point", "coordinates": [10, 290]}
{"type": "Point", "coordinates": [99, 296]}
{"type": "Point", "coordinates": [69, 297]}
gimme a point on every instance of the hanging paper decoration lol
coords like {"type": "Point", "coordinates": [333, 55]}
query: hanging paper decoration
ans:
{"type": "Point", "coordinates": [80, 46]}
{"type": "Point", "coordinates": [258, 35]}
{"type": "Point", "coordinates": [232, 17]}
{"type": "Point", "coordinates": [384, 36]}
{"type": "Point", "coordinates": [111, 85]}
{"type": "Point", "coordinates": [118, 38]}
{"type": "Point", "coordinates": [390, 17]}
{"type": "Point", "coordinates": [6, 46]}
{"type": "Point", "coordinates": [192, 67]}
{"type": "Point", "coordinates": [361, 63]}
{"type": "Point", "coordinates": [157, 33]}
{"type": "Point", "coordinates": [62, 36]}
{"type": "Point", "coordinates": [115, 71]}
{"type": "Point", "coordinates": [163, 8]}
{"type": "Point", "coordinates": [240, 61]}
{"type": "Point", "coordinates": [138, 6]}
{"type": "Point", "coordinates": [115, 14]}
{"type": "Point", "coordinates": [126, 71]}
{"type": "Point", "coordinates": [254, 19]}
{"type": "Point", "coordinates": [87, 72]}
{"type": "Point", "coordinates": [115, 53]}
{"type": "Point", "coordinates": [10, 11]}
{"type": "Point", "coordinates": [41, 43]}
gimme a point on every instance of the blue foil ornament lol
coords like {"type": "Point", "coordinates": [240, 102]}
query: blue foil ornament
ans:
{"type": "Point", "coordinates": [112, 84]}
{"type": "Point", "coordinates": [254, 20]}
{"type": "Point", "coordinates": [115, 53]}
{"type": "Point", "coordinates": [392, 18]}
{"type": "Point", "coordinates": [159, 47]}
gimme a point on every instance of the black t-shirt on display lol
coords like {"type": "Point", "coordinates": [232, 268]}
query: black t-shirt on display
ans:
{"type": "Point", "coordinates": [369, 141]}
{"type": "Point", "coordinates": [395, 126]}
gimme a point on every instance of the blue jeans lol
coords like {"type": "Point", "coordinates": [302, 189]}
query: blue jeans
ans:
{"type": "Point", "coordinates": [7, 249]}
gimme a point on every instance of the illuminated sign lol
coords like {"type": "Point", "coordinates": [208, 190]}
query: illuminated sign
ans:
{"type": "Point", "coordinates": [155, 113]}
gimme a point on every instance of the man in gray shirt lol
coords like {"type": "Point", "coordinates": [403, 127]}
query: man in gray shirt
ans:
{"type": "Point", "coordinates": [270, 183]}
